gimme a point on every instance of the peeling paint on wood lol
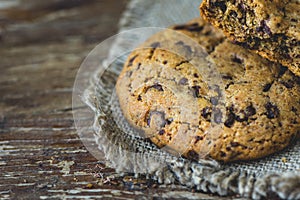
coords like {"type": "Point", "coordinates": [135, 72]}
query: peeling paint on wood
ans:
{"type": "Point", "coordinates": [42, 44]}
{"type": "Point", "coordinates": [65, 165]}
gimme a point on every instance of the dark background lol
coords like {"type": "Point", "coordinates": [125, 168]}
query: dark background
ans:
{"type": "Point", "coordinates": [42, 44]}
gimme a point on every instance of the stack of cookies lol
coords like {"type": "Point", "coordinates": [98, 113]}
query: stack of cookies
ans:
{"type": "Point", "coordinates": [227, 91]}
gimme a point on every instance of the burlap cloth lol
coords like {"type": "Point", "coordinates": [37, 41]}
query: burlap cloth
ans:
{"type": "Point", "coordinates": [277, 175]}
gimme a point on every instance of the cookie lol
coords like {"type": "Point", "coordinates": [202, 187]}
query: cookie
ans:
{"type": "Point", "coordinates": [204, 97]}
{"type": "Point", "coordinates": [270, 28]}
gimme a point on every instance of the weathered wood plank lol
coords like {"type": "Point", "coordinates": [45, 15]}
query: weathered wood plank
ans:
{"type": "Point", "coordinates": [42, 44]}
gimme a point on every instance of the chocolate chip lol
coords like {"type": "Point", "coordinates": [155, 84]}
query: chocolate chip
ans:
{"type": "Point", "coordinates": [259, 29]}
{"type": "Point", "coordinates": [242, 6]}
{"type": "Point", "coordinates": [196, 75]}
{"type": "Point", "coordinates": [245, 114]}
{"type": "Point", "coordinates": [288, 84]}
{"type": "Point", "coordinates": [195, 28]}
{"type": "Point", "coordinates": [294, 20]}
{"type": "Point", "coordinates": [157, 86]}
{"type": "Point", "coordinates": [230, 120]}
{"type": "Point", "coordinates": [267, 87]}
{"type": "Point", "coordinates": [183, 81]}
{"type": "Point", "coordinates": [131, 60]}
{"type": "Point", "coordinates": [266, 29]}
{"type": "Point", "coordinates": [189, 27]}
{"type": "Point", "coordinates": [139, 98]}
{"type": "Point", "coordinates": [206, 113]}
{"type": "Point", "coordinates": [182, 62]}
{"type": "Point", "coordinates": [169, 121]}
{"type": "Point", "coordinates": [198, 138]}
{"type": "Point", "coordinates": [221, 5]}
{"type": "Point", "coordinates": [297, 80]}
{"type": "Point", "coordinates": [227, 77]}
{"type": "Point", "coordinates": [228, 85]}
{"type": "Point", "coordinates": [165, 62]}
{"type": "Point", "coordinates": [282, 71]}
{"type": "Point", "coordinates": [186, 47]}
{"type": "Point", "coordinates": [234, 144]}
{"type": "Point", "coordinates": [254, 43]}
{"type": "Point", "coordinates": [260, 141]}
{"type": "Point", "coordinates": [161, 132]}
{"type": "Point", "coordinates": [228, 148]}
{"type": "Point", "coordinates": [217, 115]}
{"type": "Point", "coordinates": [148, 119]}
{"type": "Point", "coordinates": [155, 45]}
{"type": "Point", "coordinates": [263, 27]}
{"type": "Point", "coordinates": [250, 111]}
{"type": "Point", "coordinates": [195, 90]}
{"type": "Point", "coordinates": [214, 100]}
{"type": "Point", "coordinates": [272, 110]}
{"type": "Point", "coordinates": [179, 43]}
{"type": "Point", "coordinates": [179, 27]}
{"type": "Point", "coordinates": [222, 154]}
{"type": "Point", "coordinates": [207, 33]}
{"type": "Point", "coordinates": [236, 59]}
{"type": "Point", "coordinates": [294, 110]}
{"type": "Point", "coordinates": [295, 121]}
{"type": "Point", "coordinates": [193, 155]}
{"type": "Point", "coordinates": [129, 73]}
{"type": "Point", "coordinates": [233, 14]}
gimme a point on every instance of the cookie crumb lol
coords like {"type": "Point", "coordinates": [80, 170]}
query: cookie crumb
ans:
{"type": "Point", "coordinates": [89, 186]}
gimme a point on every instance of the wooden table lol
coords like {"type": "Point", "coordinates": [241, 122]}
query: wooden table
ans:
{"type": "Point", "coordinates": [42, 44]}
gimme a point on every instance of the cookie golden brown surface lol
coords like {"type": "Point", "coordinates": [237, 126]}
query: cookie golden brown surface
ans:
{"type": "Point", "coordinates": [245, 107]}
{"type": "Point", "coordinates": [270, 28]}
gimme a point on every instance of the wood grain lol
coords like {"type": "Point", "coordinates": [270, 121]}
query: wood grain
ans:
{"type": "Point", "coordinates": [42, 44]}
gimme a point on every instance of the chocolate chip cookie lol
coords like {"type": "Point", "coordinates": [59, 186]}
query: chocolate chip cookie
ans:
{"type": "Point", "coordinates": [269, 27]}
{"type": "Point", "coordinates": [204, 97]}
